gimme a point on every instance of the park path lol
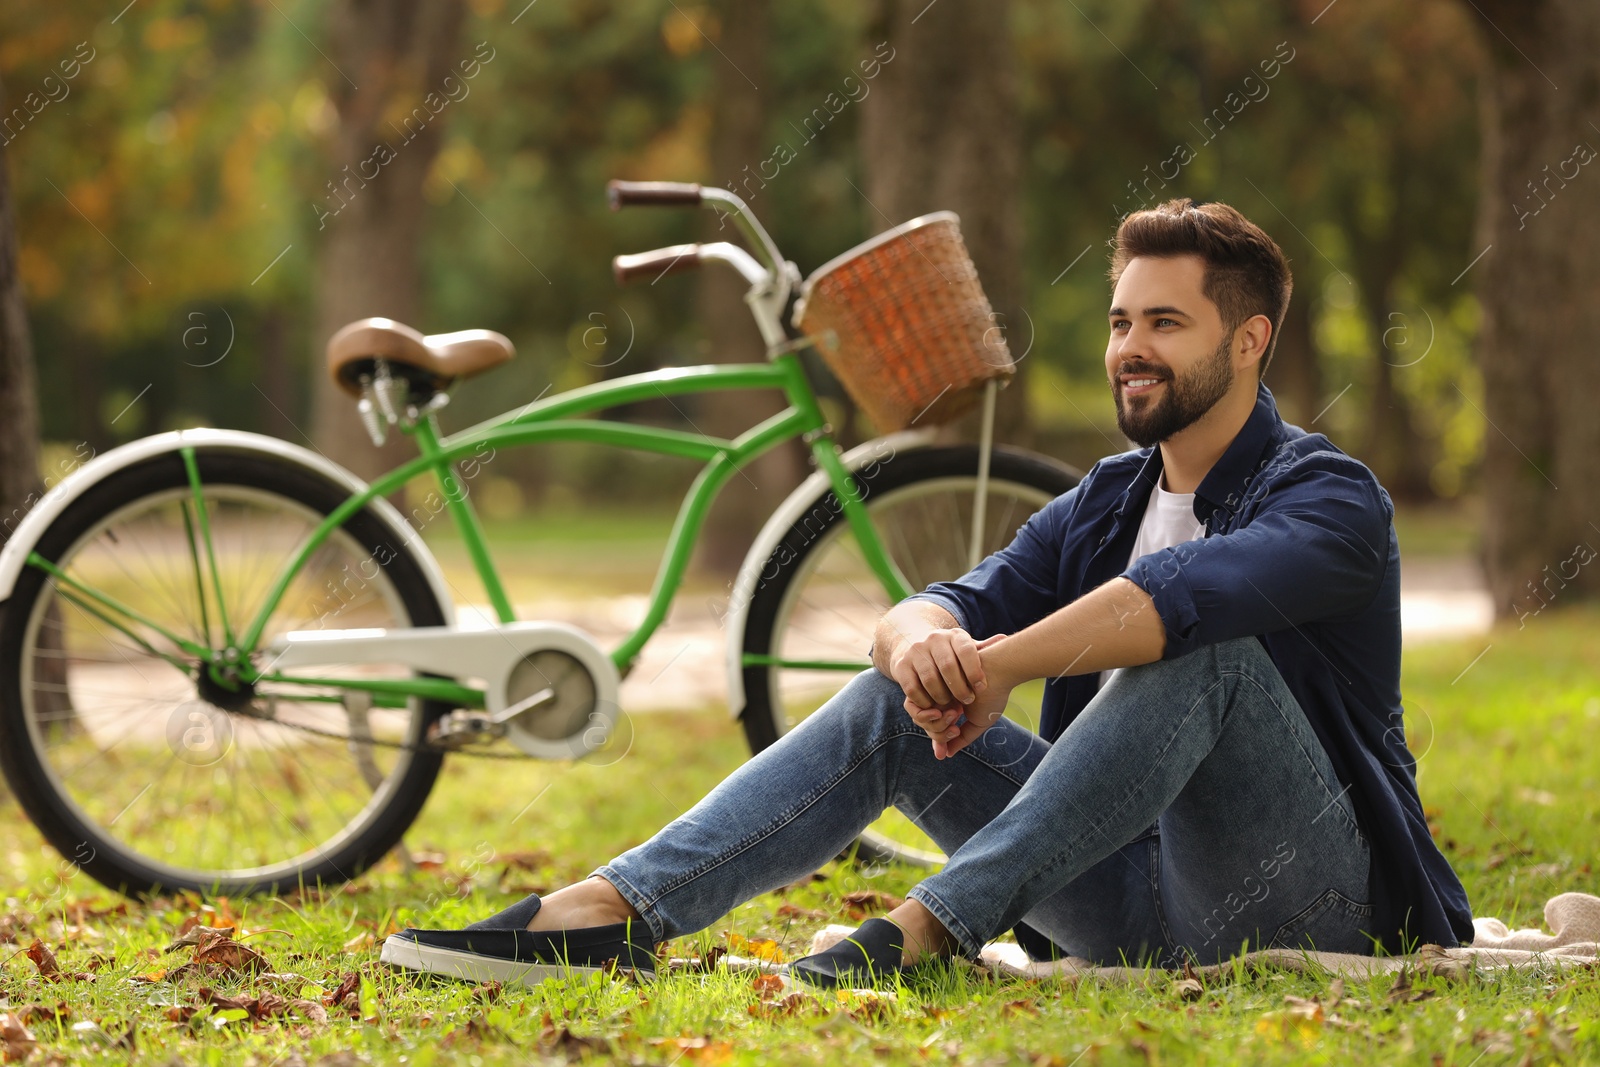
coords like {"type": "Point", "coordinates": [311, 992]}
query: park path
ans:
{"type": "Point", "coordinates": [682, 668]}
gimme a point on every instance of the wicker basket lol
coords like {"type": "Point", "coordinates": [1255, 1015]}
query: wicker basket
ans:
{"type": "Point", "coordinates": [902, 321]}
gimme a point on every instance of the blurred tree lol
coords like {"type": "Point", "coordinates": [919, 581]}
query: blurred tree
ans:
{"type": "Point", "coordinates": [1401, 205]}
{"type": "Point", "coordinates": [19, 403]}
{"type": "Point", "coordinates": [739, 146]}
{"type": "Point", "coordinates": [20, 482]}
{"type": "Point", "coordinates": [1317, 123]}
{"type": "Point", "coordinates": [942, 131]}
{"type": "Point", "coordinates": [1539, 232]}
{"type": "Point", "coordinates": [158, 190]}
{"type": "Point", "coordinates": [391, 100]}
{"type": "Point", "coordinates": [151, 195]}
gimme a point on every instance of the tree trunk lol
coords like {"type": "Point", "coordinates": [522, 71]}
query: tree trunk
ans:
{"type": "Point", "coordinates": [1399, 455]}
{"type": "Point", "coordinates": [941, 131]}
{"type": "Point", "coordinates": [20, 485]}
{"type": "Point", "coordinates": [371, 210]}
{"type": "Point", "coordinates": [276, 379]}
{"type": "Point", "coordinates": [1295, 375]}
{"type": "Point", "coordinates": [1541, 177]}
{"type": "Point", "coordinates": [737, 141]}
{"type": "Point", "coordinates": [1390, 443]}
{"type": "Point", "coordinates": [19, 393]}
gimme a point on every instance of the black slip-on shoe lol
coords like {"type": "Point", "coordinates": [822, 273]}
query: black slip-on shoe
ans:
{"type": "Point", "coordinates": [871, 956]}
{"type": "Point", "coordinates": [500, 949]}
{"type": "Point", "coordinates": [516, 917]}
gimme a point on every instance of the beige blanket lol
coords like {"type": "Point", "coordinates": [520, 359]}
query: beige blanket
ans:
{"type": "Point", "coordinates": [1573, 940]}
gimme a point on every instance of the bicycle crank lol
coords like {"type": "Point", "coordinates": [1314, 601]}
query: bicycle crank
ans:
{"type": "Point", "coordinates": [548, 688]}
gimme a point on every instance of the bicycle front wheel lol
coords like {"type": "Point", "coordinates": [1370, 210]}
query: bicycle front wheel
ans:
{"type": "Point", "coordinates": [131, 761]}
{"type": "Point", "coordinates": [812, 617]}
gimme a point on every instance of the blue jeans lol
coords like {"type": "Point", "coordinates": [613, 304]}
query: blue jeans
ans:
{"type": "Point", "coordinates": [1188, 812]}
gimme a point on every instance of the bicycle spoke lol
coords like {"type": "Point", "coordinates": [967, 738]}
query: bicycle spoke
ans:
{"type": "Point", "coordinates": [102, 692]}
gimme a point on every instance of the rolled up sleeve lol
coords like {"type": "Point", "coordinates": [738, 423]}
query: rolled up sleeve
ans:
{"type": "Point", "coordinates": [1016, 586]}
{"type": "Point", "coordinates": [1316, 548]}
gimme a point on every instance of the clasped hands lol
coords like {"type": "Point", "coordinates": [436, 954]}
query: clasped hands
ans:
{"type": "Point", "coordinates": [953, 690]}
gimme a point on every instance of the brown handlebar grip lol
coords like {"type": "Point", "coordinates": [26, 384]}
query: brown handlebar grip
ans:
{"type": "Point", "coordinates": [658, 194]}
{"type": "Point", "coordinates": [662, 261]}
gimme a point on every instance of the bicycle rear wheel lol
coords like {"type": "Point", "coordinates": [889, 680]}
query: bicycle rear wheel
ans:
{"type": "Point", "coordinates": [140, 769]}
{"type": "Point", "coordinates": [822, 602]}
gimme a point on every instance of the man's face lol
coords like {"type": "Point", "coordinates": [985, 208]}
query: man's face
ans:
{"type": "Point", "coordinates": [1169, 359]}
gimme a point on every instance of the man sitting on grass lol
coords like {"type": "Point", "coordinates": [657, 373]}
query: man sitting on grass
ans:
{"type": "Point", "coordinates": [1221, 764]}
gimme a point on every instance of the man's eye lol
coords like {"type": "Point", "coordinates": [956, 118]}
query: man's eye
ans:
{"type": "Point", "coordinates": [1167, 322]}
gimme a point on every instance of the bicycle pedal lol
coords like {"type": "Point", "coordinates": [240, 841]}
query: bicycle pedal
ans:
{"type": "Point", "coordinates": [461, 729]}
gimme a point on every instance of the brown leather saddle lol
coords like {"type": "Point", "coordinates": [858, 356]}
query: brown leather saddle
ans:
{"type": "Point", "coordinates": [429, 363]}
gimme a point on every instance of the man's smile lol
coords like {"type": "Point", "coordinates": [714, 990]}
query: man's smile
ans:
{"type": "Point", "coordinates": [1139, 386]}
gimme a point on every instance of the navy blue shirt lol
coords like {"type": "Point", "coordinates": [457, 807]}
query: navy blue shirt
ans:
{"type": "Point", "coordinates": [1300, 553]}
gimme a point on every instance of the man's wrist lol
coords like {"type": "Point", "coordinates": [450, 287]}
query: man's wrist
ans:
{"type": "Point", "coordinates": [1001, 666]}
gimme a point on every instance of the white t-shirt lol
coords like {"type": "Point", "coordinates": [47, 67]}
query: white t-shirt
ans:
{"type": "Point", "coordinates": [1168, 520]}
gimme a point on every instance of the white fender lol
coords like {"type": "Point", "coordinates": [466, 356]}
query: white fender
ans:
{"type": "Point", "coordinates": [50, 506]}
{"type": "Point", "coordinates": [877, 450]}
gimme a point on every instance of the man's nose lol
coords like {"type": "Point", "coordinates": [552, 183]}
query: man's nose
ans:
{"type": "Point", "coordinates": [1134, 342]}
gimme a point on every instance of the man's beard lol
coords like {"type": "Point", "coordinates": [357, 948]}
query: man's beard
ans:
{"type": "Point", "coordinates": [1186, 399]}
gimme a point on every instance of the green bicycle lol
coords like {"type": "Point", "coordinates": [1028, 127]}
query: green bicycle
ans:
{"type": "Point", "coordinates": [229, 665]}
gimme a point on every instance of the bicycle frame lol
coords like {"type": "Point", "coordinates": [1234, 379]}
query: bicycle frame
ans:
{"type": "Point", "coordinates": [567, 417]}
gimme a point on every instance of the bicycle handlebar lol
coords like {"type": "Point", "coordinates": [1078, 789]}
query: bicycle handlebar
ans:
{"type": "Point", "coordinates": [623, 194]}
{"type": "Point", "coordinates": [680, 258]}
{"type": "Point", "coordinates": [673, 260]}
{"type": "Point", "coordinates": [771, 278]}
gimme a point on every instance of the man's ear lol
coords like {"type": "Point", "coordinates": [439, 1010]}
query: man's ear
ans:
{"type": "Point", "coordinates": [1250, 342]}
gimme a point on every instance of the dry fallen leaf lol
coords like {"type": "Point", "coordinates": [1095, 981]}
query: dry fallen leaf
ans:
{"type": "Point", "coordinates": [767, 986]}
{"type": "Point", "coordinates": [758, 948]}
{"type": "Point", "coordinates": [524, 861]}
{"type": "Point", "coordinates": [217, 954]}
{"type": "Point", "coordinates": [1304, 1008]}
{"type": "Point", "coordinates": [82, 911]}
{"type": "Point", "coordinates": [863, 902]}
{"type": "Point", "coordinates": [697, 1049]}
{"type": "Point", "coordinates": [221, 951]}
{"type": "Point", "coordinates": [44, 959]}
{"type": "Point", "coordinates": [558, 1039]}
{"type": "Point", "coordinates": [1291, 1024]}
{"type": "Point", "coordinates": [43, 1013]}
{"type": "Point", "coordinates": [49, 969]}
{"type": "Point", "coordinates": [181, 1013]}
{"type": "Point", "coordinates": [1401, 992]}
{"type": "Point", "coordinates": [790, 1005]}
{"type": "Point", "coordinates": [210, 996]}
{"type": "Point", "coordinates": [868, 1005]}
{"type": "Point", "coordinates": [16, 1041]}
{"type": "Point", "coordinates": [348, 987]}
{"type": "Point", "coordinates": [192, 933]}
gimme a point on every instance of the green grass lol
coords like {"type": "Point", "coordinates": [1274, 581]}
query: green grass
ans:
{"type": "Point", "coordinates": [566, 552]}
{"type": "Point", "coordinates": [1448, 528]}
{"type": "Point", "coordinates": [1507, 772]}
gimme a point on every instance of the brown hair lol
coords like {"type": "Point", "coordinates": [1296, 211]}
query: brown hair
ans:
{"type": "Point", "coordinates": [1246, 272]}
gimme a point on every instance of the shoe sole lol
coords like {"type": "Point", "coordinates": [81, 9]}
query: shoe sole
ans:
{"type": "Point", "coordinates": [471, 967]}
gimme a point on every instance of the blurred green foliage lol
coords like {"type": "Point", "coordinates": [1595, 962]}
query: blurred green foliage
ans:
{"type": "Point", "coordinates": [188, 154]}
